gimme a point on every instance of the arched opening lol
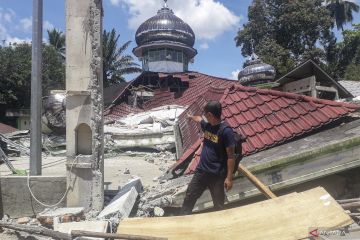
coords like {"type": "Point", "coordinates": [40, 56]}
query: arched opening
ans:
{"type": "Point", "coordinates": [83, 140]}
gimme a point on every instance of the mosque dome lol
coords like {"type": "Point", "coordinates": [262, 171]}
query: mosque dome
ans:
{"type": "Point", "coordinates": [256, 72]}
{"type": "Point", "coordinates": [165, 26]}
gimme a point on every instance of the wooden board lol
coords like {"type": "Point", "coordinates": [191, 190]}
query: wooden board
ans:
{"type": "Point", "coordinates": [286, 217]}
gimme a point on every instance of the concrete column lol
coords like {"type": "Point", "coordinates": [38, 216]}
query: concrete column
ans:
{"type": "Point", "coordinates": [84, 104]}
{"type": "Point", "coordinates": [36, 62]}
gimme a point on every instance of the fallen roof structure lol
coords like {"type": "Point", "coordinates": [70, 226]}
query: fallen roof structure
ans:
{"type": "Point", "coordinates": [264, 220]}
{"type": "Point", "coordinates": [168, 89]}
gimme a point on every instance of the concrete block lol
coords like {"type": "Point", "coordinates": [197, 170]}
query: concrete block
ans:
{"type": "Point", "coordinates": [122, 207]}
{"type": "Point", "coordinates": [93, 226]}
{"type": "Point", "coordinates": [15, 198]}
{"type": "Point", "coordinates": [136, 183]}
{"type": "Point", "coordinates": [23, 220]}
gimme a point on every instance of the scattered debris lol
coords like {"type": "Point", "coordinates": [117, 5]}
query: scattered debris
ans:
{"type": "Point", "coordinates": [23, 220]}
{"type": "Point", "coordinates": [49, 216]}
{"type": "Point", "coordinates": [16, 143]}
{"type": "Point", "coordinates": [161, 195]}
{"type": "Point", "coordinates": [94, 226]}
{"type": "Point", "coordinates": [159, 212]}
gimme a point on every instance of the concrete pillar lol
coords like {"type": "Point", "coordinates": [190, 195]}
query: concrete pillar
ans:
{"type": "Point", "coordinates": [84, 104]}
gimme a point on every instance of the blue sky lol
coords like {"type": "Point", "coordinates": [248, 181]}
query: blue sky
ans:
{"type": "Point", "coordinates": [215, 23]}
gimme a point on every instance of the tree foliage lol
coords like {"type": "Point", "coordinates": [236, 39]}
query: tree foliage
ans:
{"type": "Point", "coordinates": [287, 32]}
{"type": "Point", "coordinates": [15, 73]}
{"type": "Point", "coordinates": [116, 63]}
{"type": "Point", "coordinates": [341, 11]}
{"type": "Point", "coordinates": [57, 39]}
{"type": "Point", "coordinates": [351, 53]}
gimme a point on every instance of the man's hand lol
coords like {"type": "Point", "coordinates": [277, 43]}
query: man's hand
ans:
{"type": "Point", "coordinates": [228, 183]}
{"type": "Point", "coordinates": [194, 118]}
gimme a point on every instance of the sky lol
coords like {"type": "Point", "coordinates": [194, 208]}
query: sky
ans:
{"type": "Point", "coordinates": [215, 23]}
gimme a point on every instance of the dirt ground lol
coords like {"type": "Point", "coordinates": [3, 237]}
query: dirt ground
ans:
{"type": "Point", "coordinates": [118, 170]}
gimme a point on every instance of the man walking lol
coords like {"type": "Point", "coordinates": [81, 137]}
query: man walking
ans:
{"type": "Point", "coordinates": [215, 169]}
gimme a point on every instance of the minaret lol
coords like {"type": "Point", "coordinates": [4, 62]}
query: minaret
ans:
{"type": "Point", "coordinates": [165, 42]}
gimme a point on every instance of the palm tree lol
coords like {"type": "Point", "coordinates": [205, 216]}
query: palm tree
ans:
{"type": "Point", "coordinates": [116, 64]}
{"type": "Point", "coordinates": [57, 39]}
{"type": "Point", "coordinates": [341, 11]}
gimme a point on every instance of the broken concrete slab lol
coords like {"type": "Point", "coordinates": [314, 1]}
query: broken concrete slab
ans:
{"type": "Point", "coordinates": [94, 226]}
{"type": "Point", "coordinates": [136, 183]}
{"type": "Point", "coordinates": [47, 217]}
{"type": "Point", "coordinates": [120, 208]}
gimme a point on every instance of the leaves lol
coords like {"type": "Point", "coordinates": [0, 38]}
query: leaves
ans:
{"type": "Point", "coordinates": [15, 73]}
{"type": "Point", "coordinates": [287, 32]}
{"type": "Point", "coordinates": [116, 64]}
{"type": "Point", "coordinates": [341, 11]}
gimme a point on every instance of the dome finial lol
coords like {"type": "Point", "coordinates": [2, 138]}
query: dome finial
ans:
{"type": "Point", "coordinates": [165, 4]}
{"type": "Point", "coordinates": [252, 42]}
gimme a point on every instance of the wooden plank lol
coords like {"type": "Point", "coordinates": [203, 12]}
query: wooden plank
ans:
{"type": "Point", "coordinates": [285, 217]}
{"type": "Point", "coordinates": [262, 187]}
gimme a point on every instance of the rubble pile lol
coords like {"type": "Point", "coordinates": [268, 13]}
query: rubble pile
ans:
{"type": "Point", "coordinates": [162, 159]}
{"type": "Point", "coordinates": [153, 129]}
{"type": "Point", "coordinates": [160, 196]}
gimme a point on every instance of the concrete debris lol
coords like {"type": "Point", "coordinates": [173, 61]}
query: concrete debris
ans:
{"type": "Point", "coordinates": [23, 220]}
{"type": "Point", "coordinates": [16, 143]}
{"type": "Point", "coordinates": [94, 226]}
{"type": "Point", "coordinates": [160, 196]}
{"type": "Point", "coordinates": [49, 216]}
{"type": "Point", "coordinates": [159, 212]}
{"type": "Point", "coordinates": [121, 207]}
{"type": "Point", "coordinates": [152, 129]}
{"type": "Point", "coordinates": [127, 171]}
{"type": "Point", "coordinates": [54, 112]}
{"type": "Point", "coordinates": [55, 144]}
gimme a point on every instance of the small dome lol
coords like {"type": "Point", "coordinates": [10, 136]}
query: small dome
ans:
{"type": "Point", "coordinates": [165, 26]}
{"type": "Point", "coordinates": [256, 72]}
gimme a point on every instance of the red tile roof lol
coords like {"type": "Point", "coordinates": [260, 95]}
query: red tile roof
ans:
{"type": "Point", "coordinates": [197, 85]}
{"type": "Point", "coordinates": [6, 128]}
{"type": "Point", "coordinates": [266, 117]}
{"type": "Point", "coordinates": [120, 110]}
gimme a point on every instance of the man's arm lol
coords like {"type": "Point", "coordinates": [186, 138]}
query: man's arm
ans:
{"type": "Point", "coordinates": [195, 118]}
{"type": "Point", "coordinates": [230, 168]}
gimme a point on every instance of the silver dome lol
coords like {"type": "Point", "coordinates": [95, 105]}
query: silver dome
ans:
{"type": "Point", "coordinates": [256, 71]}
{"type": "Point", "coordinates": [165, 26]}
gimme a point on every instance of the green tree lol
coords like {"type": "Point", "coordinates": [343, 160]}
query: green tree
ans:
{"type": "Point", "coordinates": [116, 63]}
{"type": "Point", "coordinates": [350, 53]}
{"type": "Point", "coordinates": [15, 73]}
{"type": "Point", "coordinates": [57, 39]}
{"type": "Point", "coordinates": [341, 11]}
{"type": "Point", "coordinates": [287, 32]}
